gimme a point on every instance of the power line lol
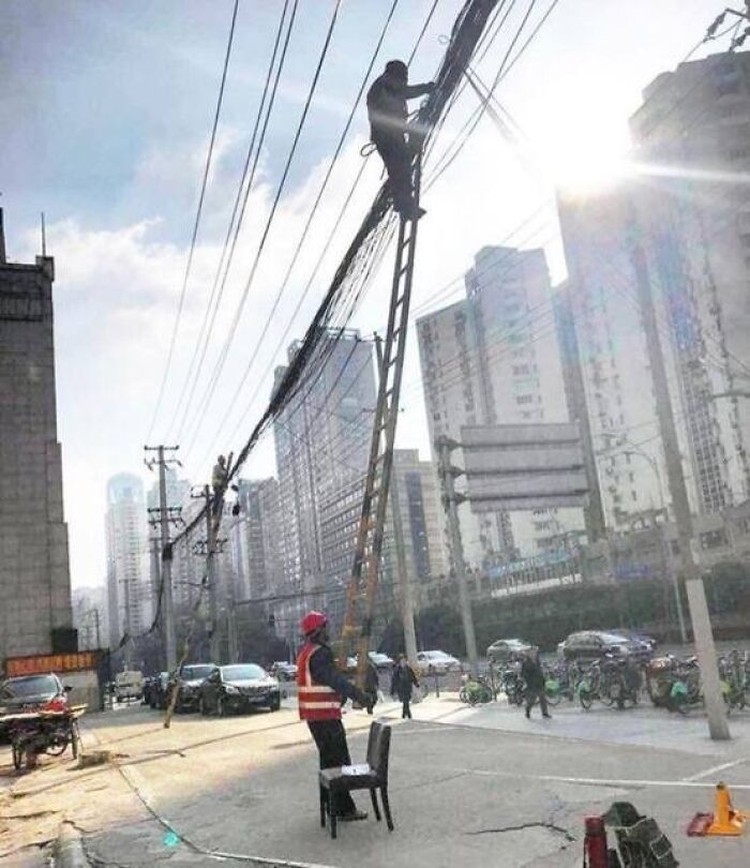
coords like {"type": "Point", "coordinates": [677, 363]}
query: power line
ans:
{"type": "Point", "coordinates": [196, 224]}
{"type": "Point", "coordinates": [246, 181]}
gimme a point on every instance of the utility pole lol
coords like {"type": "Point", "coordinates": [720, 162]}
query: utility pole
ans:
{"type": "Point", "coordinates": [451, 499]}
{"type": "Point", "coordinates": [213, 606]}
{"type": "Point", "coordinates": [701, 622]}
{"type": "Point", "coordinates": [407, 597]}
{"type": "Point", "coordinates": [170, 639]}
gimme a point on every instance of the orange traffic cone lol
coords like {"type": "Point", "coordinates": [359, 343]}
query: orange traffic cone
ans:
{"type": "Point", "coordinates": [727, 821]}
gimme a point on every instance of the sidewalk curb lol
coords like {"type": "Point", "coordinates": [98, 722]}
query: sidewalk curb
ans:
{"type": "Point", "coordinates": [68, 850]}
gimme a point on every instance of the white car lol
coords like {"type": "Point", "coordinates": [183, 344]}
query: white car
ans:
{"type": "Point", "coordinates": [437, 662]}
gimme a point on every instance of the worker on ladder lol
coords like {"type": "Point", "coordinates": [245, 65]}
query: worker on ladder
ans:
{"type": "Point", "coordinates": [389, 132]}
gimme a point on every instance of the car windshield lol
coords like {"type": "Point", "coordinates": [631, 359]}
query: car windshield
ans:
{"type": "Point", "coordinates": [192, 673]}
{"type": "Point", "coordinates": [242, 672]}
{"type": "Point", "coordinates": [35, 685]}
{"type": "Point", "coordinates": [437, 655]}
{"type": "Point", "coordinates": [613, 639]}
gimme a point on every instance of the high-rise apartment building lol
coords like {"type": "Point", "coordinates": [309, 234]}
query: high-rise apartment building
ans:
{"type": "Point", "coordinates": [35, 615]}
{"type": "Point", "coordinates": [692, 142]}
{"type": "Point", "coordinates": [494, 359]}
{"type": "Point", "coordinates": [322, 441]}
{"type": "Point", "coordinates": [128, 586]}
{"type": "Point", "coordinates": [687, 210]}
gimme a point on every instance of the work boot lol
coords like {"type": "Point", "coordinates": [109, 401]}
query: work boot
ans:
{"type": "Point", "coordinates": [356, 814]}
{"type": "Point", "coordinates": [528, 714]}
{"type": "Point", "coordinates": [548, 716]}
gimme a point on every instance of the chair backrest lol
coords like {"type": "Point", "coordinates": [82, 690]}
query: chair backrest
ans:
{"type": "Point", "coordinates": [379, 748]}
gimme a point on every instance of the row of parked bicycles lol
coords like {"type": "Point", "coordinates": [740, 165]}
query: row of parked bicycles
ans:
{"type": "Point", "coordinates": [669, 682]}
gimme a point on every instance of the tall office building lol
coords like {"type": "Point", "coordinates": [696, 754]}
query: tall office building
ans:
{"type": "Point", "coordinates": [494, 359]}
{"type": "Point", "coordinates": [128, 586]}
{"type": "Point", "coordinates": [35, 615]}
{"type": "Point", "coordinates": [322, 442]}
{"type": "Point", "coordinates": [254, 537]}
{"type": "Point", "coordinates": [421, 520]}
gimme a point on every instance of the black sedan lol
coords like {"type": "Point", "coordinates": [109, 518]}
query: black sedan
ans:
{"type": "Point", "coordinates": [239, 687]}
{"type": "Point", "coordinates": [188, 685]}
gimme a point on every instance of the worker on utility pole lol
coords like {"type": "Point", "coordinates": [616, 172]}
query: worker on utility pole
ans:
{"type": "Point", "coordinates": [389, 132]}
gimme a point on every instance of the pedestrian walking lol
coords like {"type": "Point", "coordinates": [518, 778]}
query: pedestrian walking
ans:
{"type": "Point", "coordinates": [387, 112]}
{"type": "Point", "coordinates": [533, 676]}
{"type": "Point", "coordinates": [321, 691]}
{"type": "Point", "coordinates": [403, 679]}
{"type": "Point", "coordinates": [372, 683]}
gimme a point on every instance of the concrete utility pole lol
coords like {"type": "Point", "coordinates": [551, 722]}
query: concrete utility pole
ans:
{"type": "Point", "coordinates": [213, 605]}
{"type": "Point", "coordinates": [170, 639]}
{"type": "Point", "coordinates": [451, 499]}
{"type": "Point", "coordinates": [701, 622]}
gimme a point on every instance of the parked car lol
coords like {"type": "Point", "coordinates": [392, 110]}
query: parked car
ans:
{"type": "Point", "coordinates": [31, 693]}
{"type": "Point", "coordinates": [128, 685]}
{"type": "Point", "coordinates": [436, 662]}
{"type": "Point", "coordinates": [283, 671]}
{"type": "Point", "coordinates": [507, 650]}
{"type": "Point", "coordinates": [648, 643]}
{"type": "Point", "coordinates": [588, 645]}
{"type": "Point", "coordinates": [188, 684]}
{"type": "Point", "coordinates": [382, 661]}
{"type": "Point", "coordinates": [238, 687]}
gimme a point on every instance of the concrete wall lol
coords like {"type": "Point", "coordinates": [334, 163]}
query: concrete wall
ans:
{"type": "Point", "coordinates": [34, 570]}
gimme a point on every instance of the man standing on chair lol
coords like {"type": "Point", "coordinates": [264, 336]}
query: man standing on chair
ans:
{"type": "Point", "coordinates": [321, 691]}
{"type": "Point", "coordinates": [387, 112]}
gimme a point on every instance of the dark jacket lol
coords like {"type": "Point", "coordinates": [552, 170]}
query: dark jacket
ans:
{"type": "Point", "coordinates": [402, 681]}
{"type": "Point", "coordinates": [323, 671]}
{"type": "Point", "coordinates": [533, 674]}
{"type": "Point", "coordinates": [386, 106]}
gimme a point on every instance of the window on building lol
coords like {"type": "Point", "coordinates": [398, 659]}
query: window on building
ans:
{"type": "Point", "coordinates": [524, 399]}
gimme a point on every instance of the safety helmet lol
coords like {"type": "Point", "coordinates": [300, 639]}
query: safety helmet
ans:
{"type": "Point", "coordinates": [397, 68]}
{"type": "Point", "coordinates": [312, 622]}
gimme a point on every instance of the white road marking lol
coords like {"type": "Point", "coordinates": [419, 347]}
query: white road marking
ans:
{"type": "Point", "coordinates": [715, 770]}
{"type": "Point", "coordinates": [604, 782]}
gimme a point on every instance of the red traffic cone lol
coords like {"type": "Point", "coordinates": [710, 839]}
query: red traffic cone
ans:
{"type": "Point", "coordinates": [595, 843]}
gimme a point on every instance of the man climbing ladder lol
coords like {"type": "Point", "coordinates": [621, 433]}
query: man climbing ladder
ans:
{"type": "Point", "coordinates": [389, 132]}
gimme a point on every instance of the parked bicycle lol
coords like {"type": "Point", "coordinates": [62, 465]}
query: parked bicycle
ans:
{"type": "Point", "coordinates": [476, 690]}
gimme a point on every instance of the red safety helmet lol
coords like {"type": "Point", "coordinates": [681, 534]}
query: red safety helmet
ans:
{"type": "Point", "coordinates": [312, 622]}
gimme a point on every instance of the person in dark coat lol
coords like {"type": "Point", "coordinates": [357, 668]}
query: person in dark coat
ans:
{"type": "Point", "coordinates": [403, 680]}
{"type": "Point", "coordinates": [372, 683]}
{"type": "Point", "coordinates": [533, 676]}
{"type": "Point", "coordinates": [387, 112]}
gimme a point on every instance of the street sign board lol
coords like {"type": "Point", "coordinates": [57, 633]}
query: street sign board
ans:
{"type": "Point", "coordinates": [528, 466]}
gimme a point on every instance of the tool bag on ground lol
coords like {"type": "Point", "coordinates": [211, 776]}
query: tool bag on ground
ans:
{"type": "Point", "coordinates": [640, 841]}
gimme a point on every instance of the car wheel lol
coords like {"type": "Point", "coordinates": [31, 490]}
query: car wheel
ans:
{"type": "Point", "coordinates": [275, 704]}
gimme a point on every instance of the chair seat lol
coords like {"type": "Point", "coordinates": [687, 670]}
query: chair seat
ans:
{"type": "Point", "coordinates": [335, 779]}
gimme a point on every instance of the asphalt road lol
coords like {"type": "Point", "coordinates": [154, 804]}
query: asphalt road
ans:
{"type": "Point", "coordinates": [477, 786]}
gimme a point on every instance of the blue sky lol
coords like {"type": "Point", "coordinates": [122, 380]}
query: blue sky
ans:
{"type": "Point", "coordinates": [105, 110]}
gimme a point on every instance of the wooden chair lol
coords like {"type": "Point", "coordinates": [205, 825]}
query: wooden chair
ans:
{"type": "Point", "coordinates": [373, 777]}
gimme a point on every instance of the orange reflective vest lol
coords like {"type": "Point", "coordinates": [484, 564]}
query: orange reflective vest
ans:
{"type": "Point", "coordinates": [315, 701]}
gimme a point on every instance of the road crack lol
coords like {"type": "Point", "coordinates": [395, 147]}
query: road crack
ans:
{"type": "Point", "coordinates": [551, 827]}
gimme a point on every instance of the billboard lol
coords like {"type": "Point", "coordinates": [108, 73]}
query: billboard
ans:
{"type": "Point", "coordinates": [529, 466]}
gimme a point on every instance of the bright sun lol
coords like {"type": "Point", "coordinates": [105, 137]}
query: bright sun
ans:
{"type": "Point", "coordinates": [584, 164]}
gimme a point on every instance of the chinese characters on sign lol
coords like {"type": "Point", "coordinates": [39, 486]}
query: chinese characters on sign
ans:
{"type": "Point", "coordinates": [41, 663]}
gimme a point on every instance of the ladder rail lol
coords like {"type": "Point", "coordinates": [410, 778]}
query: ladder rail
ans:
{"type": "Point", "coordinates": [371, 531]}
